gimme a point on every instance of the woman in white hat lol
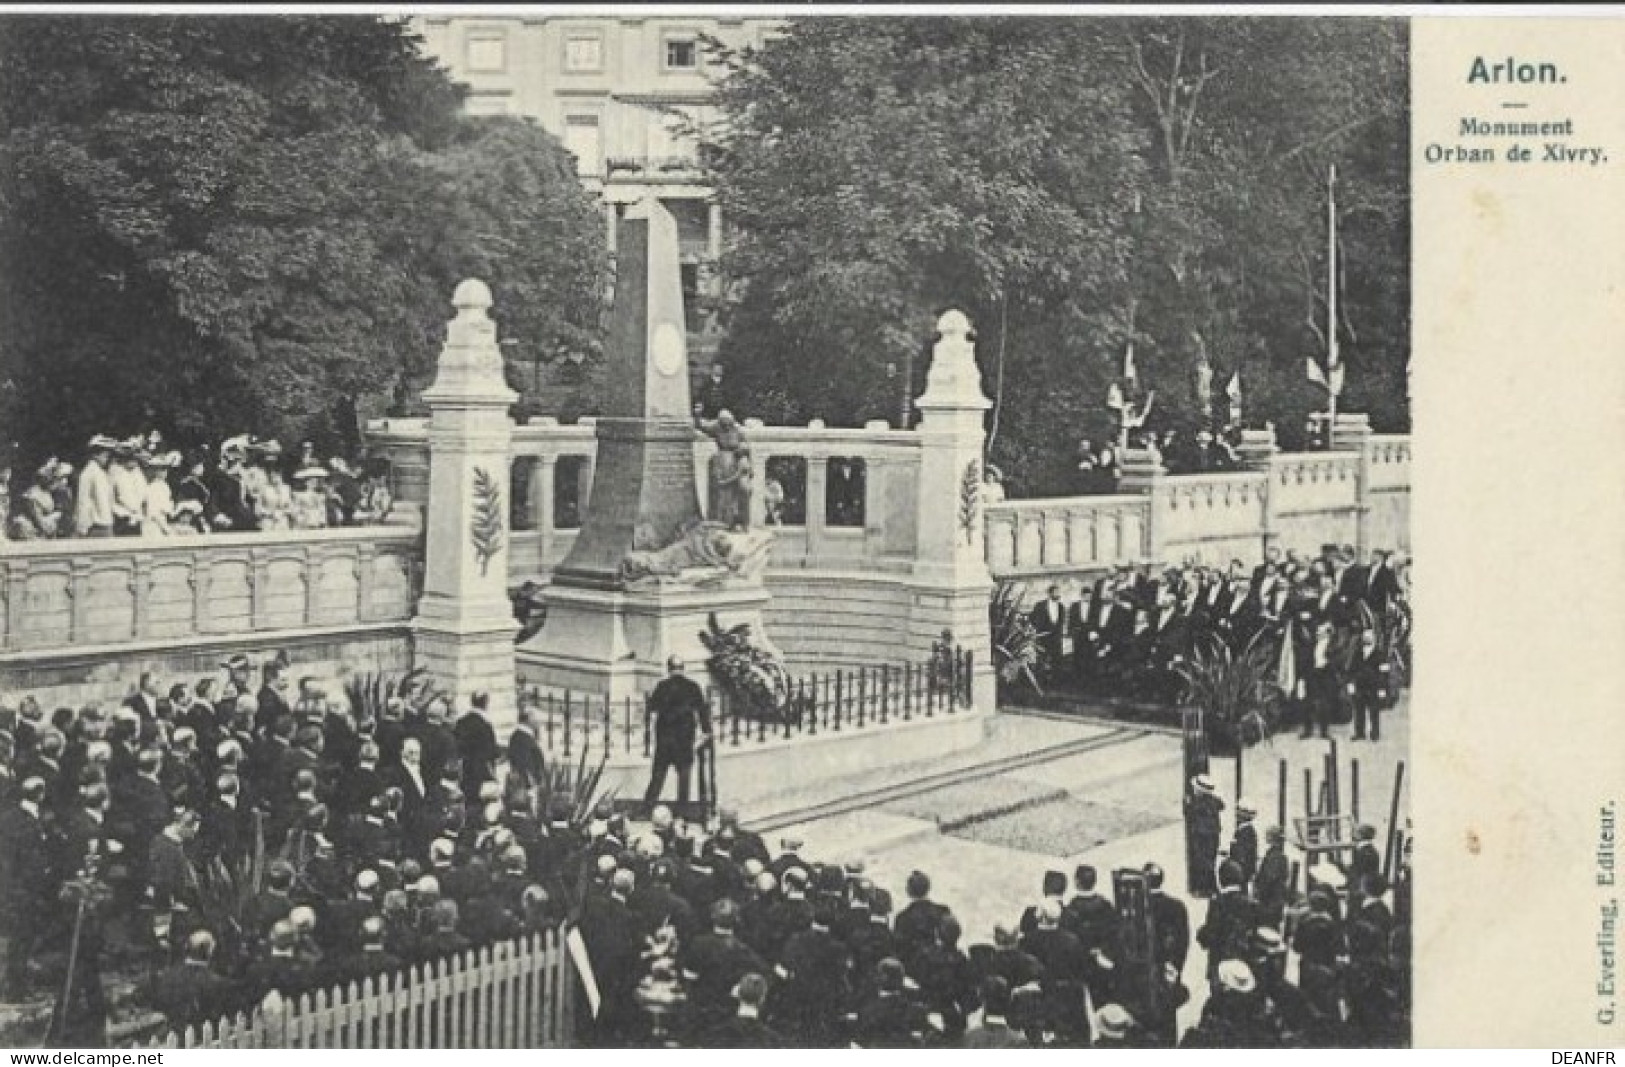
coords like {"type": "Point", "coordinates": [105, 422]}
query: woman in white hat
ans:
{"type": "Point", "coordinates": [309, 503]}
{"type": "Point", "coordinates": [158, 506]}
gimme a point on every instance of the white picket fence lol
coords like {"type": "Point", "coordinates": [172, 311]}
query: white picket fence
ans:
{"type": "Point", "coordinates": [516, 994]}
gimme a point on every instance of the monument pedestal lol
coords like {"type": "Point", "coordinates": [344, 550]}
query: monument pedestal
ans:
{"type": "Point", "coordinates": [614, 643]}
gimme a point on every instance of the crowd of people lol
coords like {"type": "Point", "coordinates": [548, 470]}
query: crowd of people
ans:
{"type": "Point", "coordinates": [1336, 619]}
{"type": "Point", "coordinates": [140, 487]}
{"type": "Point", "coordinates": [743, 948]}
{"type": "Point", "coordinates": [398, 837]}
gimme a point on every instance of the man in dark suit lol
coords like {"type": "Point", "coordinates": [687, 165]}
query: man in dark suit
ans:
{"type": "Point", "coordinates": [146, 696]}
{"type": "Point", "coordinates": [1048, 618]}
{"type": "Point", "coordinates": [1203, 809]}
{"type": "Point", "coordinates": [371, 959]}
{"type": "Point", "coordinates": [1064, 960]}
{"type": "Point", "coordinates": [1244, 842]}
{"type": "Point", "coordinates": [613, 944]}
{"type": "Point", "coordinates": [25, 885]}
{"type": "Point", "coordinates": [272, 701]}
{"type": "Point", "coordinates": [816, 968]}
{"type": "Point", "coordinates": [1171, 925]}
{"type": "Point", "coordinates": [225, 829]}
{"type": "Point", "coordinates": [682, 719]}
{"type": "Point", "coordinates": [715, 962]}
{"type": "Point", "coordinates": [1320, 678]}
{"type": "Point", "coordinates": [190, 992]}
{"type": "Point", "coordinates": [1080, 620]}
{"type": "Point", "coordinates": [916, 925]}
{"type": "Point", "coordinates": [525, 760]}
{"type": "Point", "coordinates": [946, 978]}
{"type": "Point", "coordinates": [476, 745]}
{"type": "Point", "coordinates": [280, 970]}
{"type": "Point", "coordinates": [1098, 927]}
{"type": "Point", "coordinates": [1368, 686]}
{"type": "Point", "coordinates": [408, 778]}
{"type": "Point", "coordinates": [141, 810]}
{"type": "Point", "coordinates": [744, 1029]}
{"type": "Point", "coordinates": [1270, 884]}
{"type": "Point", "coordinates": [1381, 584]}
{"type": "Point", "coordinates": [1231, 919]}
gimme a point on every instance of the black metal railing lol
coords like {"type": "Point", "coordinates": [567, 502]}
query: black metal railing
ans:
{"type": "Point", "coordinates": [836, 701]}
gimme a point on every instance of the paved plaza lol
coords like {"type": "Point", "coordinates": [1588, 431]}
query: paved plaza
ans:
{"type": "Point", "coordinates": [987, 839]}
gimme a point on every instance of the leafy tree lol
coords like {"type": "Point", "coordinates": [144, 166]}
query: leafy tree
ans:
{"type": "Point", "coordinates": [1075, 185]}
{"type": "Point", "coordinates": [214, 225]}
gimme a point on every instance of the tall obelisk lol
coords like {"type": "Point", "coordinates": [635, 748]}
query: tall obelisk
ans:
{"type": "Point", "coordinates": [644, 489]}
{"type": "Point", "coordinates": [606, 635]}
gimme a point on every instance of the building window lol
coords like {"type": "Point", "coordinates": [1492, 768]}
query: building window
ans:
{"type": "Point", "coordinates": [583, 53]}
{"type": "Point", "coordinates": [682, 53]}
{"type": "Point", "coordinates": [487, 52]}
{"type": "Point", "coordinates": [488, 104]}
{"type": "Point", "coordinates": [583, 138]}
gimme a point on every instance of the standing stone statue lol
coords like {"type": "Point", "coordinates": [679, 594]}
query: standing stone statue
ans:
{"type": "Point", "coordinates": [730, 473]}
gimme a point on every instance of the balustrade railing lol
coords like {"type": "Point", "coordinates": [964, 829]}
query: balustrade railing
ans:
{"type": "Point", "coordinates": [76, 594]}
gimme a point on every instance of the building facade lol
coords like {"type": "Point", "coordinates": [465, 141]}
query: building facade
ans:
{"type": "Point", "coordinates": [626, 95]}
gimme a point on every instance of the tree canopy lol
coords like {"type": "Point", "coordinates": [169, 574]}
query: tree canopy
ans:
{"type": "Point", "coordinates": [1075, 185]}
{"type": "Point", "coordinates": [214, 225]}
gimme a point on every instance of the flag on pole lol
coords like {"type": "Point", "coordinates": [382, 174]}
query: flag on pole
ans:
{"type": "Point", "coordinates": [1335, 385]}
{"type": "Point", "coordinates": [1114, 398]}
{"type": "Point", "coordinates": [578, 954]}
{"type": "Point", "coordinates": [1316, 375]}
{"type": "Point", "coordinates": [1233, 390]}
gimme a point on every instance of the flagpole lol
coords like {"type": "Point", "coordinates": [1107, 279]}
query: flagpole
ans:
{"type": "Point", "coordinates": [1331, 300]}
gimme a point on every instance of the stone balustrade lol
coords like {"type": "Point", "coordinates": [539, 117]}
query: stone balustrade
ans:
{"type": "Point", "coordinates": [1390, 458]}
{"type": "Point", "coordinates": [118, 598]}
{"type": "Point", "coordinates": [1032, 538]}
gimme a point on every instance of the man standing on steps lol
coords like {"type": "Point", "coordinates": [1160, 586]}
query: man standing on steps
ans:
{"type": "Point", "coordinates": [682, 722]}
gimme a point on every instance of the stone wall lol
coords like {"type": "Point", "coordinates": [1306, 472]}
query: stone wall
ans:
{"type": "Point", "coordinates": [81, 619]}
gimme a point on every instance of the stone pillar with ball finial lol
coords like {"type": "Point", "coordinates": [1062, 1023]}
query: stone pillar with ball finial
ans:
{"type": "Point", "coordinates": [464, 630]}
{"type": "Point", "coordinates": [950, 577]}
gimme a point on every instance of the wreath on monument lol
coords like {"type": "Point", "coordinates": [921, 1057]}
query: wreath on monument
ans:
{"type": "Point", "coordinates": [753, 680]}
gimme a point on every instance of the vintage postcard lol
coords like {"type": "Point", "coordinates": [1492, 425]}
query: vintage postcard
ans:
{"type": "Point", "coordinates": [746, 526]}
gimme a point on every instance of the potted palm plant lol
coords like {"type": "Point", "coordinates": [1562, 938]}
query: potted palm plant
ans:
{"type": "Point", "coordinates": [1236, 692]}
{"type": "Point", "coordinates": [1018, 657]}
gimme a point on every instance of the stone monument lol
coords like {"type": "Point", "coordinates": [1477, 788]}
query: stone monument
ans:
{"type": "Point", "coordinates": [647, 570]}
{"type": "Point", "coordinates": [464, 629]}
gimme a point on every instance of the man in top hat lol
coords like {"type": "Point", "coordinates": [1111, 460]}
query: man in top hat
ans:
{"type": "Point", "coordinates": [94, 500]}
{"type": "Point", "coordinates": [682, 721]}
{"type": "Point", "coordinates": [1203, 810]}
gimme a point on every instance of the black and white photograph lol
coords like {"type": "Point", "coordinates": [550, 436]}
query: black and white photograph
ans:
{"type": "Point", "coordinates": [709, 528]}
